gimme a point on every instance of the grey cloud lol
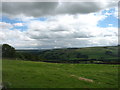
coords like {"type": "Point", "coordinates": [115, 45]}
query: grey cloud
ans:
{"type": "Point", "coordinates": [79, 7]}
{"type": "Point", "coordinates": [51, 43]}
{"type": "Point", "coordinates": [38, 9]}
{"type": "Point", "coordinates": [28, 8]}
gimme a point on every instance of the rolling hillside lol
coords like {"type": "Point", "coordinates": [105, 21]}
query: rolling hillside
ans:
{"type": "Point", "coordinates": [108, 54]}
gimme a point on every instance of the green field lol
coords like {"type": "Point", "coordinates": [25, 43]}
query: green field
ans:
{"type": "Point", "coordinates": [28, 74]}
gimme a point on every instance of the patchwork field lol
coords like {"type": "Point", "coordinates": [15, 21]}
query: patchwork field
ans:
{"type": "Point", "coordinates": [29, 74]}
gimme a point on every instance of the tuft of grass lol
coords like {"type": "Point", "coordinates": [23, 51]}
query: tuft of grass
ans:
{"type": "Point", "coordinates": [28, 74]}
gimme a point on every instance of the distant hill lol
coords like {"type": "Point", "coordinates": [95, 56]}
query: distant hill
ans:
{"type": "Point", "coordinates": [76, 55]}
{"type": "Point", "coordinates": [79, 54]}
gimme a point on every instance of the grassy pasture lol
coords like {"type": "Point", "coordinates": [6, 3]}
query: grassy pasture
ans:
{"type": "Point", "coordinates": [28, 74]}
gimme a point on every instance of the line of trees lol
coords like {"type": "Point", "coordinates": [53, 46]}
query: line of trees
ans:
{"type": "Point", "coordinates": [10, 52]}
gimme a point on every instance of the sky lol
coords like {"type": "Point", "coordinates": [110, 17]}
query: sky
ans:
{"type": "Point", "coordinates": [59, 24]}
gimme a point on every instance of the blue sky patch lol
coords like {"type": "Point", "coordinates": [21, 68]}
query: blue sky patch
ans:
{"type": "Point", "coordinates": [12, 21]}
{"type": "Point", "coordinates": [40, 19]}
{"type": "Point", "coordinates": [112, 10]}
{"type": "Point", "coordinates": [21, 28]}
{"type": "Point", "coordinates": [16, 20]}
{"type": "Point", "coordinates": [110, 20]}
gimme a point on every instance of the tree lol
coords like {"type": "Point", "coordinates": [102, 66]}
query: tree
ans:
{"type": "Point", "coordinates": [108, 53]}
{"type": "Point", "coordinates": [79, 55]}
{"type": "Point", "coordinates": [8, 51]}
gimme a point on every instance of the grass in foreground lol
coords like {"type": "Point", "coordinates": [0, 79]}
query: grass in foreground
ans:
{"type": "Point", "coordinates": [28, 74]}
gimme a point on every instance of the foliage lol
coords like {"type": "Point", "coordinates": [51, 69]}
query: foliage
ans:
{"type": "Point", "coordinates": [26, 56]}
{"type": "Point", "coordinates": [8, 51]}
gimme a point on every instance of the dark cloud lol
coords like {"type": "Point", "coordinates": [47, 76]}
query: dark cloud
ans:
{"type": "Point", "coordinates": [28, 8]}
{"type": "Point", "coordinates": [38, 9]}
{"type": "Point", "coordinates": [79, 7]}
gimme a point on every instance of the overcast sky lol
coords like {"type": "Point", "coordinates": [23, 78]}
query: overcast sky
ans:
{"type": "Point", "coordinates": [36, 25]}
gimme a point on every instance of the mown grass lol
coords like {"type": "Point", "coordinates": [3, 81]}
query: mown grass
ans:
{"type": "Point", "coordinates": [28, 74]}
